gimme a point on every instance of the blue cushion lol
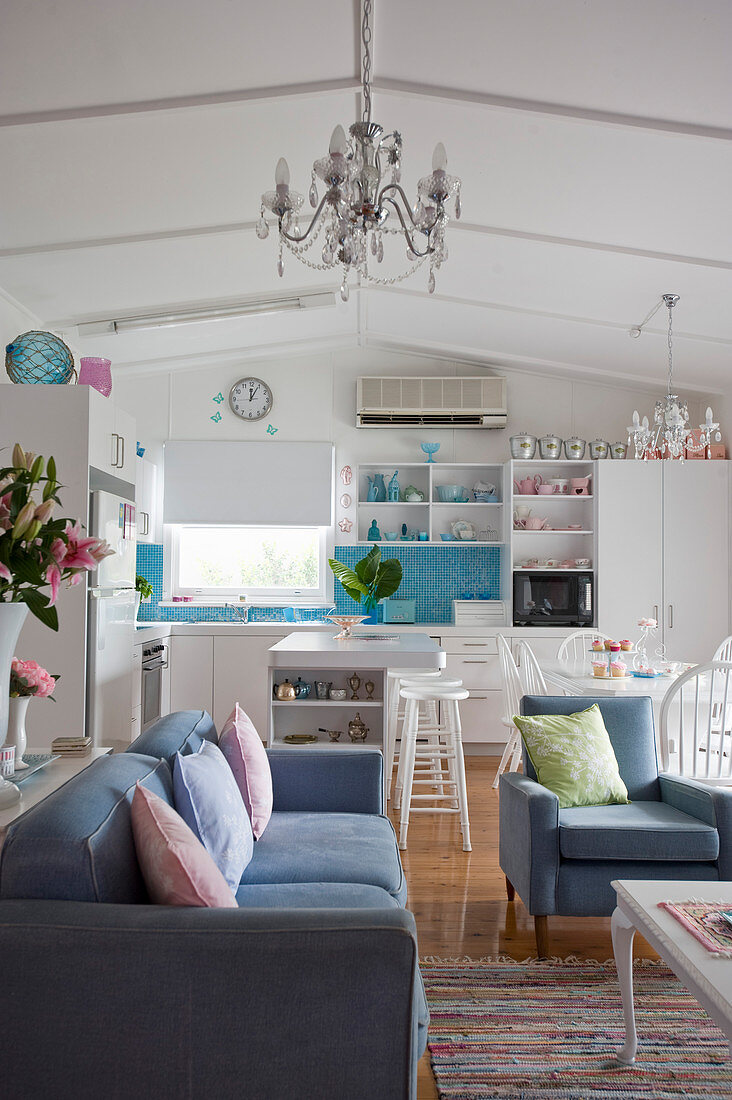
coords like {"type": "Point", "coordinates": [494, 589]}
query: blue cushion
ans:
{"type": "Point", "coordinates": [583, 887]}
{"type": "Point", "coordinates": [210, 803]}
{"type": "Point", "coordinates": [77, 844]}
{"type": "Point", "coordinates": [629, 723]}
{"type": "Point", "coordinates": [641, 830]}
{"type": "Point", "coordinates": [313, 895]}
{"type": "Point", "coordinates": [183, 731]}
{"type": "Point", "coordinates": [315, 847]}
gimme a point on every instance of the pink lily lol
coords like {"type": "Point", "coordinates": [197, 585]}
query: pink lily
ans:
{"type": "Point", "coordinates": [53, 577]}
{"type": "Point", "coordinates": [5, 574]}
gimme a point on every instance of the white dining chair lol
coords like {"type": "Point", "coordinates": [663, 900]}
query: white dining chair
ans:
{"type": "Point", "coordinates": [513, 689]}
{"type": "Point", "coordinates": [575, 645]}
{"type": "Point", "coordinates": [723, 651]}
{"type": "Point", "coordinates": [530, 672]}
{"type": "Point", "coordinates": [695, 724]}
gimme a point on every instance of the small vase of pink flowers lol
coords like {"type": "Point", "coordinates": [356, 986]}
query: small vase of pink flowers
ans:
{"type": "Point", "coordinates": [27, 681]}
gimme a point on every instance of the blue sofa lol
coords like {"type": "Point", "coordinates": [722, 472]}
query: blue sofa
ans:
{"type": "Point", "coordinates": [310, 988]}
{"type": "Point", "coordinates": [563, 861]}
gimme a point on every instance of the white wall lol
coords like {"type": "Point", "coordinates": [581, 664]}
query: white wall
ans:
{"type": "Point", "coordinates": [315, 398]}
{"type": "Point", "coordinates": [14, 319]}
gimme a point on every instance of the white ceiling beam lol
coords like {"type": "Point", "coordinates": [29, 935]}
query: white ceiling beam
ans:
{"type": "Point", "coordinates": [315, 89]}
{"type": "Point", "coordinates": [457, 227]}
{"type": "Point", "coordinates": [533, 106]}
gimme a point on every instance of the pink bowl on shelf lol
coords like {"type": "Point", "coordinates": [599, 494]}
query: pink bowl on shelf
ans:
{"type": "Point", "coordinates": [96, 373]}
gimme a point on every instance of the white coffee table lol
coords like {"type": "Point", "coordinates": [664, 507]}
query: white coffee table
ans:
{"type": "Point", "coordinates": [707, 977]}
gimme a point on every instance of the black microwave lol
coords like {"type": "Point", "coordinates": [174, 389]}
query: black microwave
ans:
{"type": "Point", "coordinates": [553, 599]}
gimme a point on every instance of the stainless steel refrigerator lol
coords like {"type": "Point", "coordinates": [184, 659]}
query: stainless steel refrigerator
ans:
{"type": "Point", "coordinates": [111, 630]}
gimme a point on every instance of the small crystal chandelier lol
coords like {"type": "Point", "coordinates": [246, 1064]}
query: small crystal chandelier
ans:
{"type": "Point", "coordinates": [670, 433]}
{"type": "Point", "coordinates": [361, 206]}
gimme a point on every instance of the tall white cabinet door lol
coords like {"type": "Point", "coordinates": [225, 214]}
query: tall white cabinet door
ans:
{"type": "Point", "coordinates": [191, 672]}
{"type": "Point", "coordinates": [696, 558]}
{"type": "Point", "coordinates": [241, 675]}
{"type": "Point", "coordinates": [629, 566]}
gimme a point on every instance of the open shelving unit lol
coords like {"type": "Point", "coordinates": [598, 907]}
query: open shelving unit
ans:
{"type": "Point", "coordinates": [431, 514]}
{"type": "Point", "coordinates": [558, 542]}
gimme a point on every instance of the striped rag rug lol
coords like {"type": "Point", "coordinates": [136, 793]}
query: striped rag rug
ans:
{"type": "Point", "coordinates": [548, 1030]}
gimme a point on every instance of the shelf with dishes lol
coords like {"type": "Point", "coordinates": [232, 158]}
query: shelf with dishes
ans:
{"type": "Point", "coordinates": [557, 569]}
{"type": "Point", "coordinates": [552, 531]}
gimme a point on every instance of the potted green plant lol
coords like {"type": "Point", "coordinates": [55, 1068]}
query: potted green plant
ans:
{"type": "Point", "coordinates": [143, 591]}
{"type": "Point", "coordinates": [370, 580]}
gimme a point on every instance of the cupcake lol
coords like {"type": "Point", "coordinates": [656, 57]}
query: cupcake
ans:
{"type": "Point", "coordinates": [597, 645]}
{"type": "Point", "coordinates": [626, 645]}
{"type": "Point", "coordinates": [609, 643]}
{"type": "Point", "coordinates": [614, 647]}
{"type": "Point", "coordinates": [599, 669]}
{"type": "Point", "coordinates": [617, 668]}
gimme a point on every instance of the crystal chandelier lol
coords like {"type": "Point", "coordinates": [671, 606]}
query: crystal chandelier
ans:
{"type": "Point", "coordinates": [670, 433]}
{"type": "Point", "coordinates": [361, 206]}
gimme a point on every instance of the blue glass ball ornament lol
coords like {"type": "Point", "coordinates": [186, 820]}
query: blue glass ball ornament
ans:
{"type": "Point", "coordinates": [39, 357]}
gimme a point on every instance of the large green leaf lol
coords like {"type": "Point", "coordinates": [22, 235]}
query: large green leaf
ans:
{"type": "Point", "coordinates": [367, 568]}
{"type": "Point", "coordinates": [389, 578]}
{"type": "Point", "coordinates": [350, 581]}
{"type": "Point", "coordinates": [38, 605]}
{"type": "Point", "coordinates": [27, 571]}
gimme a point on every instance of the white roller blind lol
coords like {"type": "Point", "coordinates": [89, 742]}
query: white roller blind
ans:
{"type": "Point", "coordinates": [249, 483]}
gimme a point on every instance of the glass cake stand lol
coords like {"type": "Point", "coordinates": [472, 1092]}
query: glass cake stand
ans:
{"type": "Point", "coordinates": [346, 623]}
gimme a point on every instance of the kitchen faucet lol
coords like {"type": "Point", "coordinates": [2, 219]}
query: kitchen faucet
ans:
{"type": "Point", "coordinates": [242, 611]}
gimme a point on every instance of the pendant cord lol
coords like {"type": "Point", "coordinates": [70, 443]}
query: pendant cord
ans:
{"type": "Point", "coordinates": [366, 36]}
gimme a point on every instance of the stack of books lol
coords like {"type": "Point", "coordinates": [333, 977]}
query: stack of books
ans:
{"type": "Point", "coordinates": [71, 746]}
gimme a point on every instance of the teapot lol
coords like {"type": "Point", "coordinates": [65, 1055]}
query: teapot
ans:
{"type": "Point", "coordinates": [528, 486]}
{"type": "Point", "coordinates": [285, 690]}
{"type": "Point", "coordinates": [413, 495]}
{"type": "Point", "coordinates": [302, 689]}
{"type": "Point", "coordinates": [357, 730]}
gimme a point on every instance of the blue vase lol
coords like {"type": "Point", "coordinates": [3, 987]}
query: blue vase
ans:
{"type": "Point", "coordinates": [373, 617]}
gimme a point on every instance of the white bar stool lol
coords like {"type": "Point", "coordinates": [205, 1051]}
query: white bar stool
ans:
{"type": "Point", "coordinates": [450, 749]}
{"type": "Point", "coordinates": [430, 764]}
{"type": "Point", "coordinates": [395, 677]}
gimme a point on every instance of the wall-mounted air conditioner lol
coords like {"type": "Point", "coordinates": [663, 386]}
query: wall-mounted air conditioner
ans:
{"type": "Point", "coordinates": [390, 402]}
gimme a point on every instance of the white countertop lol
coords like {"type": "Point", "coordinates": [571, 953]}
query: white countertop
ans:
{"type": "Point", "coordinates": [313, 649]}
{"type": "Point", "coordinates": [148, 632]}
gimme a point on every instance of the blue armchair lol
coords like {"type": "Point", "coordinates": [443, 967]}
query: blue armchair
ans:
{"type": "Point", "coordinates": [563, 861]}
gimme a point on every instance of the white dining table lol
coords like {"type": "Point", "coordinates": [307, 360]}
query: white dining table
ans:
{"type": "Point", "coordinates": [575, 678]}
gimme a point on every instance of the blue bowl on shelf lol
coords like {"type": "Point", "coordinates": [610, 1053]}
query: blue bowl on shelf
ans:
{"type": "Point", "coordinates": [447, 538]}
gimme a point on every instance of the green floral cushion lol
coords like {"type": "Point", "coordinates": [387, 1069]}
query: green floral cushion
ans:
{"type": "Point", "coordinates": [573, 757]}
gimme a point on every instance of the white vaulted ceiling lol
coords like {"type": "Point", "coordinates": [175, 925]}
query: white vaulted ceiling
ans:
{"type": "Point", "coordinates": [594, 141]}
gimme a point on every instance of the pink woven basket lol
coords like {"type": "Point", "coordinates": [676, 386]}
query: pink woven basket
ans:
{"type": "Point", "coordinates": [97, 373]}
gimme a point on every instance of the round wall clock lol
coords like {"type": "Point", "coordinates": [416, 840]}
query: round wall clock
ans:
{"type": "Point", "coordinates": [250, 398]}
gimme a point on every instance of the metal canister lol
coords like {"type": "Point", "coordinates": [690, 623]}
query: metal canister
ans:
{"type": "Point", "coordinates": [550, 446]}
{"type": "Point", "coordinates": [618, 450]}
{"type": "Point", "coordinates": [574, 447]}
{"type": "Point", "coordinates": [523, 445]}
{"type": "Point", "coordinates": [599, 449]}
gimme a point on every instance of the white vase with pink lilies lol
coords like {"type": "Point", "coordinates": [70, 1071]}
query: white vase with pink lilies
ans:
{"type": "Point", "coordinates": [37, 554]}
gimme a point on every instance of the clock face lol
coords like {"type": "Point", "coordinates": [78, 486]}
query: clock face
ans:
{"type": "Point", "coordinates": [250, 398]}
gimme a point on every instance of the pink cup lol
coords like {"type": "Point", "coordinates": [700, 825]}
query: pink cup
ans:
{"type": "Point", "coordinates": [96, 373]}
{"type": "Point", "coordinates": [535, 523]}
{"type": "Point", "coordinates": [545, 490]}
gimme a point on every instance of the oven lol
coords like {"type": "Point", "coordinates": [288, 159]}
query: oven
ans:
{"type": "Point", "coordinates": [553, 599]}
{"type": "Point", "coordinates": [154, 662]}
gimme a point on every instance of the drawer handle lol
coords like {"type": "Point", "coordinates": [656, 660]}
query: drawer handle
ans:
{"type": "Point", "coordinates": [474, 644]}
{"type": "Point", "coordinates": [476, 662]}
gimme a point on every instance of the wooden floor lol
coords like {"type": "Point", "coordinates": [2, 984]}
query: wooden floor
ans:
{"type": "Point", "coordinates": [459, 898]}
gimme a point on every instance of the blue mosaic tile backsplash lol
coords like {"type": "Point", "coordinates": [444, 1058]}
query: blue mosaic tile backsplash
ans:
{"type": "Point", "coordinates": [434, 576]}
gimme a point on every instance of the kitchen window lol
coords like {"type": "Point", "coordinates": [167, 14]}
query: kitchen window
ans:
{"type": "Point", "coordinates": [274, 564]}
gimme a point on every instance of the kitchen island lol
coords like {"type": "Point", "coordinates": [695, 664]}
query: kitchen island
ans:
{"type": "Point", "coordinates": [358, 666]}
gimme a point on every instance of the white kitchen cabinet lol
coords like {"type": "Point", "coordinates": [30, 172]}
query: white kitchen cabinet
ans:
{"type": "Point", "coordinates": [629, 574]}
{"type": "Point", "coordinates": [146, 488]}
{"type": "Point", "coordinates": [191, 672]}
{"type": "Point", "coordinates": [111, 439]}
{"type": "Point", "coordinates": [696, 558]}
{"type": "Point", "coordinates": [241, 675]}
{"type": "Point", "coordinates": [663, 551]}
{"type": "Point", "coordinates": [136, 696]}
{"type": "Point", "coordinates": [475, 661]}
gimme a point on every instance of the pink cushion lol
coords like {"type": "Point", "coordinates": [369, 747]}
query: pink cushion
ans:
{"type": "Point", "coordinates": [242, 746]}
{"type": "Point", "coordinates": [175, 865]}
